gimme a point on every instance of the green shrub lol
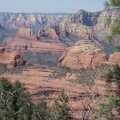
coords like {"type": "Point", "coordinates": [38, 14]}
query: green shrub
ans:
{"type": "Point", "coordinates": [106, 108]}
{"type": "Point", "coordinates": [3, 68]}
{"type": "Point", "coordinates": [60, 72]}
{"type": "Point", "coordinates": [106, 75]}
{"type": "Point", "coordinates": [60, 110]}
{"type": "Point", "coordinates": [111, 75]}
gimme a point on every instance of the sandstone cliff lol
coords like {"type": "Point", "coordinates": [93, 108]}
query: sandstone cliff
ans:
{"type": "Point", "coordinates": [85, 24]}
{"type": "Point", "coordinates": [114, 58]}
{"type": "Point", "coordinates": [84, 54]}
{"type": "Point", "coordinates": [25, 32]}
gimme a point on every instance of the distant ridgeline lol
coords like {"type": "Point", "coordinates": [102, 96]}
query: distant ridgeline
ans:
{"type": "Point", "coordinates": [30, 20]}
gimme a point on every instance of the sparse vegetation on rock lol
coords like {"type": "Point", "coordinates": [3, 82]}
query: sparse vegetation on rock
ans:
{"type": "Point", "coordinates": [60, 72]}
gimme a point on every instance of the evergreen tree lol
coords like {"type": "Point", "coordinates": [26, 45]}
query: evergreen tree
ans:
{"type": "Point", "coordinates": [60, 110]}
{"type": "Point", "coordinates": [15, 104]}
{"type": "Point", "coordinates": [112, 4]}
{"type": "Point", "coordinates": [113, 103]}
{"type": "Point", "coordinates": [115, 28]}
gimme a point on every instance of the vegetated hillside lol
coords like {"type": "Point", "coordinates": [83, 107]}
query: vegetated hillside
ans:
{"type": "Point", "coordinates": [46, 59]}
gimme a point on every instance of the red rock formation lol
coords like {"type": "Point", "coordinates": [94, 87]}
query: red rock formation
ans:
{"type": "Point", "coordinates": [24, 32]}
{"type": "Point", "coordinates": [114, 58]}
{"type": "Point", "coordinates": [51, 33]}
{"type": "Point", "coordinates": [84, 54]}
{"type": "Point", "coordinates": [12, 59]}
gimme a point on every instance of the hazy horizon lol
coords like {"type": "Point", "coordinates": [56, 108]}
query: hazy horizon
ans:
{"type": "Point", "coordinates": [50, 6]}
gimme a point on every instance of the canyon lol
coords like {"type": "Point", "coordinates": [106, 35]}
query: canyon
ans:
{"type": "Point", "coordinates": [51, 52]}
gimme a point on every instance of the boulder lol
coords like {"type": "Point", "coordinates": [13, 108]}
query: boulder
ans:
{"type": "Point", "coordinates": [84, 54]}
{"type": "Point", "coordinates": [114, 58]}
{"type": "Point", "coordinates": [12, 59]}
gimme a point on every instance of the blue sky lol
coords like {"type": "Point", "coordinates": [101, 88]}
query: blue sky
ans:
{"type": "Point", "coordinates": [50, 6]}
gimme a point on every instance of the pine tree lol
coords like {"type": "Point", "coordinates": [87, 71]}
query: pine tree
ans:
{"type": "Point", "coordinates": [15, 103]}
{"type": "Point", "coordinates": [112, 4]}
{"type": "Point", "coordinates": [60, 110]}
{"type": "Point", "coordinates": [113, 103]}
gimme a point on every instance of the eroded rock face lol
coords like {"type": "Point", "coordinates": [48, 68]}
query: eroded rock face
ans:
{"type": "Point", "coordinates": [84, 24]}
{"type": "Point", "coordinates": [84, 54]}
{"type": "Point", "coordinates": [25, 32]}
{"type": "Point", "coordinates": [114, 58]}
{"type": "Point", "coordinates": [49, 32]}
{"type": "Point", "coordinates": [66, 28]}
{"type": "Point", "coordinates": [29, 20]}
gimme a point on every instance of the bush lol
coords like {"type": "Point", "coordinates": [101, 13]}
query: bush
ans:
{"type": "Point", "coordinates": [60, 110]}
{"type": "Point", "coordinates": [106, 75]}
{"type": "Point", "coordinates": [116, 28]}
{"type": "Point", "coordinates": [60, 72]}
{"type": "Point", "coordinates": [113, 104]}
{"type": "Point", "coordinates": [3, 68]}
{"type": "Point", "coordinates": [106, 109]}
{"type": "Point", "coordinates": [47, 59]}
{"type": "Point", "coordinates": [118, 48]}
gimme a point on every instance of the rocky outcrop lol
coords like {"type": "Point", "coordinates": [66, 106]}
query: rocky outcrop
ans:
{"type": "Point", "coordinates": [24, 32]}
{"type": "Point", "coordinates": [114, 58]}
{"type": "Point", "coordinates": [12, 59]}
{"type": "Point", "coordinates": [84, 54]}
{"type": "Point", "coordinates": [67, 27]}
{"type": "Point", "coordinates": [84, 24]}
{"type": "Point", "coordinates": [48, 32]}
{"type": "Point", "coordinates": [84, 17]}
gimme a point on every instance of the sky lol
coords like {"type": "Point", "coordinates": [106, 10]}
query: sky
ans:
{"type": "Point", "coordinates": [50, 6]}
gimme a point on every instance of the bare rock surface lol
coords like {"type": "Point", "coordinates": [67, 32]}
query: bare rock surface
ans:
{"type": "Point", "coordinates": [114, 58]}
{"type": "Point", "coordinates": [24, 32]}
{"type": "Point", "coordinates": [83, 54]}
